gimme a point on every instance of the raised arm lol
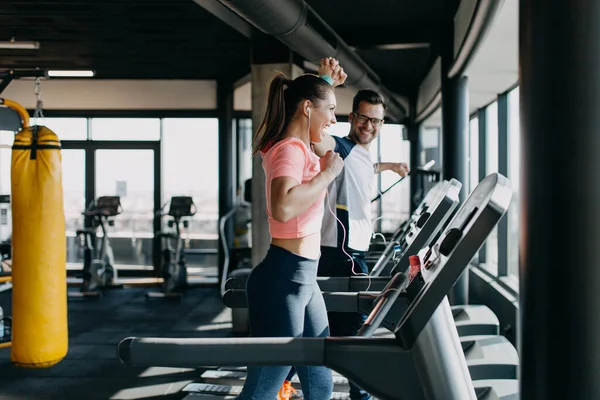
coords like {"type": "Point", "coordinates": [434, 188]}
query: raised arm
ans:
{"type": "Point", "coordinates": [329, 67]}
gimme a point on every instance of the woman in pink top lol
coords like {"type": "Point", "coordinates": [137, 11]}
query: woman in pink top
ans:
{"type": "Point", "coordinates": [284, 299]}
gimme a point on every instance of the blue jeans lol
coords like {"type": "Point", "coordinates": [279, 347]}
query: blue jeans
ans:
{"type": "Point", "coordinates": [284, 300]}
{"type": "Point", "coordinates": [334, 262]}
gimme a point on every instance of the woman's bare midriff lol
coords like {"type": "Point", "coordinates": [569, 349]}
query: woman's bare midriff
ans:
{"type": "Point", "coordinates": [307, 246]}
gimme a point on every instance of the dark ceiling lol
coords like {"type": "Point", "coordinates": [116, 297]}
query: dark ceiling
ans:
{"type": "Point", "coordinates": [179, 39]}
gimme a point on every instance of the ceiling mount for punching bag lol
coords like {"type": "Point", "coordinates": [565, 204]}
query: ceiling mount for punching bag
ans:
{"type": "Point", "coordinates": [13, 116]}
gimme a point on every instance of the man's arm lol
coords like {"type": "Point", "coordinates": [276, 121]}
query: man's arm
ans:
{"type": "Point", "coordinates": [328, 143]}
{"type": "Point", "coordinates": [399, 168]}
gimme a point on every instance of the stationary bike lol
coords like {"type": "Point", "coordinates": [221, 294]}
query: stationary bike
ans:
{"type": "Point", "coordinates": [174, 269]}
{"type": "Point", "coordinates": [98, 267]}
{"type": "Point", "coordinates": [238, 259]}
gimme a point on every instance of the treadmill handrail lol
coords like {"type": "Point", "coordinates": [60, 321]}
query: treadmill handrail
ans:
{"type": "Point", "coordinates": [383, 304]}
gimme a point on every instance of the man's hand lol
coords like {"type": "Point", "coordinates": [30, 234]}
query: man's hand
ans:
{"type": "Point", "coordinates": [400, 168]}
{"type": "Point", "coordinates": [330, 66]}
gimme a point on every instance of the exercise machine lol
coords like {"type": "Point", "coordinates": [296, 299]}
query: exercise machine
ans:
{"type": "Point", "coordinates": [174, 268]}
{"type": "Point", "coordinates": [427, 221]}
{"type": "Point", "coordinates": [237, 260]}
{"type": "Point", "coordinates": [99, 271]}
{"type": "Point", "coordinates": [424, 360]}
{"type": "Point", "coordinates": [376, 249]}
{"type": "Point", "coordinates": [422, 171]}
{"type": "Point", "coordinates": [425, 224]}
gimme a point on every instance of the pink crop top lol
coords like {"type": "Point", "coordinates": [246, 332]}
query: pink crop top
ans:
{"type": "Point", "coordinates": [290, 157]}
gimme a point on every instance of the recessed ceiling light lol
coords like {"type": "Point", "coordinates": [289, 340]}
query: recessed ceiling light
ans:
{"type": "Point", "coordinates": [71, 74]}
{"type": "Point", "coordinates": [24, 45]}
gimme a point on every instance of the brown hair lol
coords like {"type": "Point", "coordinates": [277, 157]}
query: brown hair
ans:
{"type": "Point", "coordinates": [369, 96]}
{"type": "Point", "coordinates": [284, 97]}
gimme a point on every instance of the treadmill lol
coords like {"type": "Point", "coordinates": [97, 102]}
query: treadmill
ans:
{"type": "Point", "coordinates": [427, 222]}
{"type": "Point", "coordinates": [433, 193]}
{"type": "Point", "coordinates": [424, 358]}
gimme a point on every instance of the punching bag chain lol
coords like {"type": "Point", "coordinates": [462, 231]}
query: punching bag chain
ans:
{"type": "Point", "coordinates": [37, 90]}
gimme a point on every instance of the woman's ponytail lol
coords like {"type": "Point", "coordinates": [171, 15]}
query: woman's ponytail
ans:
{"type": "Point", "coordinates": [273, 122]}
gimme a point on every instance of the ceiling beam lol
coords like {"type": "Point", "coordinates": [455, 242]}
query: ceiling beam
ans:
{"type": "Point", "coordinates": [226, 15]}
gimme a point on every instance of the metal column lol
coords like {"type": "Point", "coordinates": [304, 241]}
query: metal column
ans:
{"type": "Point", "coordinates": [415, 152]}
{"type": "Point", "coordinates": [503, 169]}
{"type": "Point", "coordinates": [226, 162]}
{"type": "Point", "coordinates": [455, 146]}
{"type": "Point", "coordinates": [455, 131]}
{"type": "Point", "coordinates": [559, 53]}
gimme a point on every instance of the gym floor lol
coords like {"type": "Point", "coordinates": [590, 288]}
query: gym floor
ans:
{"type": "Point", "coordinates": [91, 370]}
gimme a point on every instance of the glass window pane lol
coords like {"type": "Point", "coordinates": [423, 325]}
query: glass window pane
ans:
{"type": "Point", "coordinates": [192, 169]}
{"type": "Point", "coordinates": [514, 154]}
{"type": "Point", "coordinates": [73, 177]}
{"type": "Point", "coordinates": [7, 138]}
{"type": "Point", "coordinates": [245, 145]}
{"type": "Point", "coordinates": [430, 146]}
{"type": "Point", "coordinates": [67, 128]}
{"type": "Point", "coordinates": [130, 175]}
{"type": "Point", "coordinates": [125, 129]}
{"type": "Point", "coordinates": [396, 202]}
{"type": "Point", "coordinates": [339, 129]}
{"type": "Point", "coordinates": [375, 151]}
{"type": "Point", "coordinates": [474, 154]}
{"type": "Point", "coordinates": [491, 116]}
{"type": "Point", "coordinates": [6, 141]}
{"type": "Point", "coordinates": [5, 163]}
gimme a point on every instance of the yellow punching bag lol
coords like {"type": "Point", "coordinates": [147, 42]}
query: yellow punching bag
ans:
{"type": "Point", "coordinates": [39, 320]}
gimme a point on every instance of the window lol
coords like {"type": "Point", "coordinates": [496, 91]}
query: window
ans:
{"type": "Point", "coordinates": [73, 179]}
{"type": "Point", "coordinates": [340, 129]}
{"type": "Point", "coordinates": [245, 149]}
{"type": "Point", "coordinates": [514, 154]}
{"type": "Point", "coordinates": [68, 128]}
{"type": "Point", "coordinates": [430, 137]}
{"type": "Point", "coordinates": [491, 153]}
{"type": "Point", "coordinates": [474, 154]}
{"type": "Point", "coordinates": [396, 202]}
{"type": "Point", "coordinates": [190, 165]}
{"type": "Point", "coordinates": [6, 140]}
{"type": "Point", "coordinates": [125, 129]}
{"type": "Point", "coordinates": [430, 145]}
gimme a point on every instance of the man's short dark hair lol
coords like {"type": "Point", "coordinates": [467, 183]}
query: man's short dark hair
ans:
{"type": "Point", "coordinates": [369, 96]}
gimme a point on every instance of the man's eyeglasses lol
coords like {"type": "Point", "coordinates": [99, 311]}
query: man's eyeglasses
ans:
{"type": "Point", "coordinates": [363, 119]}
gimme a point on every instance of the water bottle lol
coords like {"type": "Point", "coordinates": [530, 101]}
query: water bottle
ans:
{"type": "Point", "coordinates": [397, 254]}
{"type": "Point", "coordinates": [415, 267]}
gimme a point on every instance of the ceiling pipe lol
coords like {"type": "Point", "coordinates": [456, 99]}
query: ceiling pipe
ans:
{"type": "Point", "coordinates": [296, 25]}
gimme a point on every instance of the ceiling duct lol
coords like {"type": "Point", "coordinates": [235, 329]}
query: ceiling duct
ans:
{"type": "Point", "coordinates": [295, 24]}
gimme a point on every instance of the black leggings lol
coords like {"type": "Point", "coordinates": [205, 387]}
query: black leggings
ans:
{"type": "Point", "coordinates": [284, 300]}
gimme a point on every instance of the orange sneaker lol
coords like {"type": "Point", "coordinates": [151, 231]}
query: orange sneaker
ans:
{"type": "Point", "coordinates": [286, 391]}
